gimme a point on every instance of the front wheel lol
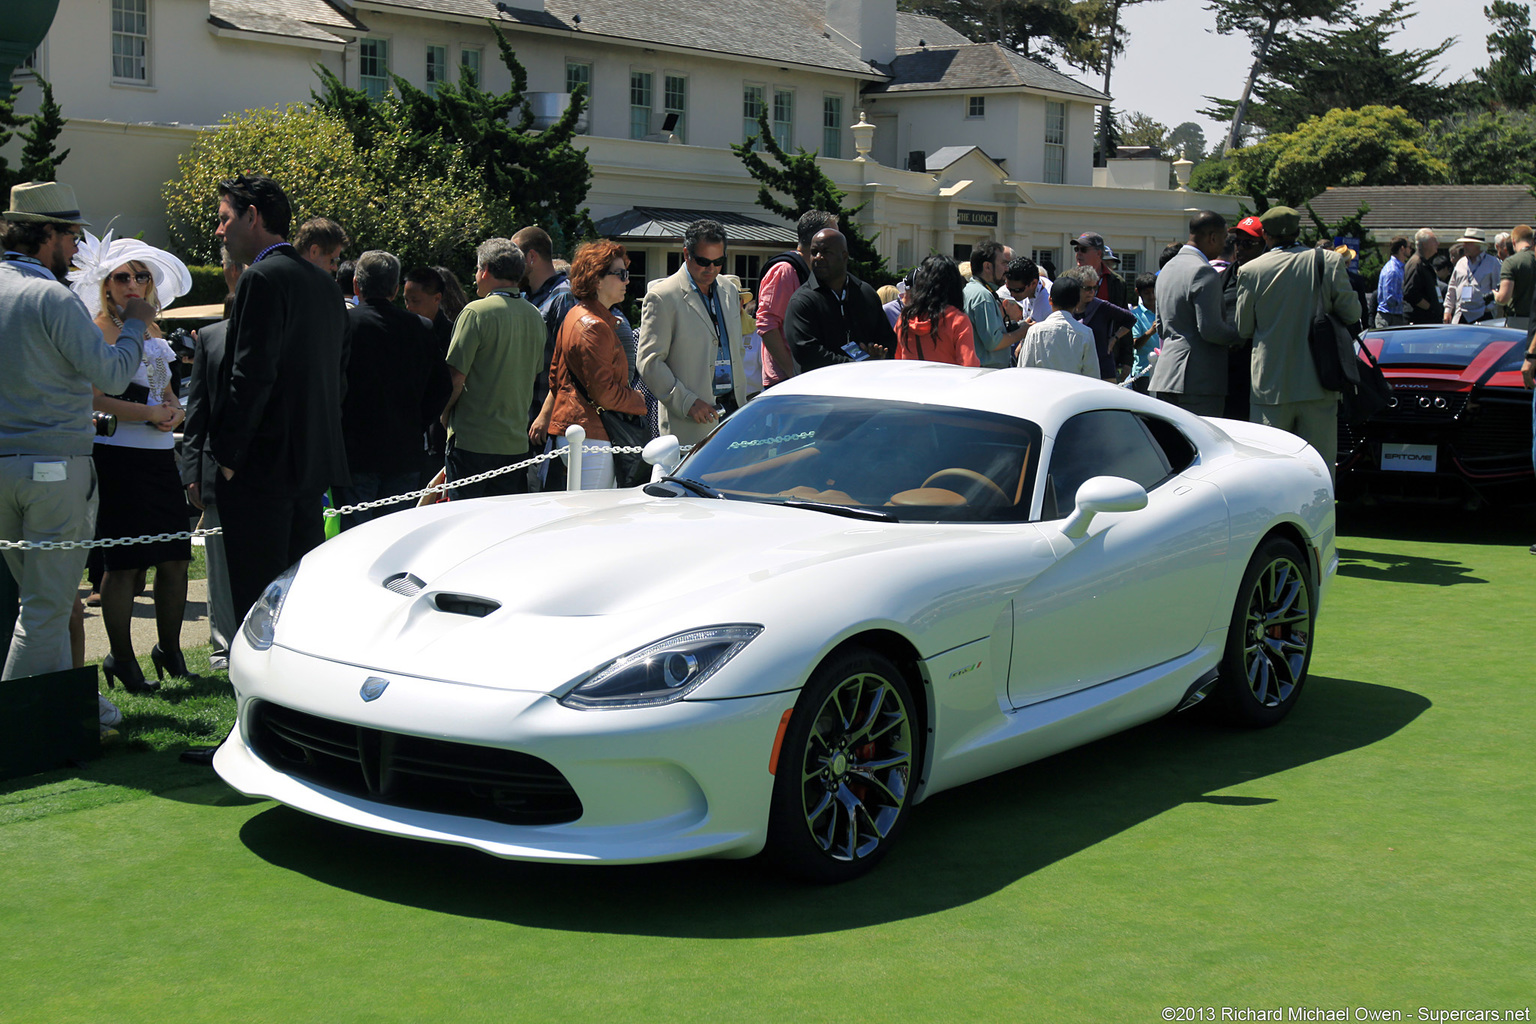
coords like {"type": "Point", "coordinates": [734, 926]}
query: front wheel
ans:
{"type": "Point", "coordinates": [1269, 642]}
{"type": "Point", "coordinates": [845, 771]}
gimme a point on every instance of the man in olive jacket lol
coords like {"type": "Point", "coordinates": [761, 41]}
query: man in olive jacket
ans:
{"type": "Point", "coordinates": [1275, 305]}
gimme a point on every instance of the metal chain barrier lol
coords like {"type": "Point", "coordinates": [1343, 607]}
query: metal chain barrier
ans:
{"type": "Point", "coordinates": [75, 545]}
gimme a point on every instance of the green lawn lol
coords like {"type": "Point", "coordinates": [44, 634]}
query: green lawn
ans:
{"type": "Point", "coordinates": [1376, 850]}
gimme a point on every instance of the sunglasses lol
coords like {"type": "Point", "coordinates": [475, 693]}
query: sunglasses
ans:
{"type": "Point", "coordinates": [708, 263]}
{"type": "Point", "coordinates": [123, 277]}
{"type": "Point", "coordinates": [622, 274]}
{"type": "Point", "coordinates": [1086, 248]}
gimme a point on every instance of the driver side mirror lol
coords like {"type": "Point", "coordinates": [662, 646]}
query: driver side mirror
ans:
{"type": "Point", "coordinates": [664, 453]}
{"type": "Point", "coordinates": [1102, 494]}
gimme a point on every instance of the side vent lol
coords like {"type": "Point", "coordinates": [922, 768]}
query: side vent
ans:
{"type": "Point", "coordinates": [463, 604]}
{"type": "Point", "coordinates": [404, 584]}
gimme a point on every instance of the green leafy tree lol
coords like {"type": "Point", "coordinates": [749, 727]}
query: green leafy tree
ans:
{"type": "Point", "coordinates": [480, 140]}
{"type": "Point", "coordinates": [1510, 76]}
{"type": "Point", "coordinates": [316, 159]}
{"type": "Point", "coordinates": [1041, 30]}
{"type": "Point", "coordinates": [1495, 147]}
{"type": "Point", "coordinates": [1346, 64]}
{"type": "Point", "coordinates": [1214, 175]}
{"type": "Point", "coordinates": [1143, 130]}
{"type": "Point", "coordinates": [1369, 146]}
{"type": "Point", "coordinates": [39, 134]}
{"type": "Point", "coordinates": [1262, 21]}
{"type": "Point", "coordinates": [1188, 140]}
{"type": "Point", "coordinates": [806, 187]}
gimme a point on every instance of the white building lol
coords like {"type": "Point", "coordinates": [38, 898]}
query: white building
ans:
{"type": "Point", "coordinates": [970, 141]}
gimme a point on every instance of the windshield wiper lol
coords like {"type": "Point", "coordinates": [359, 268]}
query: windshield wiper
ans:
{"type": "Point", "coordinates": [879, 515]}
{"type": "Point", "coordinates": [702, 490]}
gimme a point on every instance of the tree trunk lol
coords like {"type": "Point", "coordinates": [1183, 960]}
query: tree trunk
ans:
{"type": "Point", "coordinates": [1235, 133]}
{"type": "Point", "coordinates": [1109, 67]}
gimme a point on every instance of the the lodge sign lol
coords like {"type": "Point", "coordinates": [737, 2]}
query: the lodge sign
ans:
{"type": "Point", "coordinates": [976, 218]}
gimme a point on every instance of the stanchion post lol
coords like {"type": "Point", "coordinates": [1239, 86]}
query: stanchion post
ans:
{"type": "Point", "coordinates": [575, 437]}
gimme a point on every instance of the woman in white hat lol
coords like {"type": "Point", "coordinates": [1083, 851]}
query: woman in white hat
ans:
{"type": "Point", "coordinates": [140, 487]}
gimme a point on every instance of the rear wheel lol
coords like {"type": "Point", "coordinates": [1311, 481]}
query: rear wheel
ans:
{"type": "Point", "coordinates": [1269, 642]}
{"type": "Point", "coordinates": [842, 791]}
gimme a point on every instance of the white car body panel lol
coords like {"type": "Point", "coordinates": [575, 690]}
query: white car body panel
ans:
{"type": "Point", "coordinates": [1023, 641]}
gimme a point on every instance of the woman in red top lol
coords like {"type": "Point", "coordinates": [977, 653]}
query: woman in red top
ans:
{"type": "Point", "coordinates": [933, 324]}
{"type": "Point", "coordinates": [587, 351]}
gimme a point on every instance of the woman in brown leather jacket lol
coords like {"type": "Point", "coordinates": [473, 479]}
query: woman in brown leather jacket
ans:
{"type": "Point", "coordinates": [589, 369]}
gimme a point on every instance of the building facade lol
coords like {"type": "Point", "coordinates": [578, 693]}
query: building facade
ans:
{"type": "Point", "coordinates": [968, 141]}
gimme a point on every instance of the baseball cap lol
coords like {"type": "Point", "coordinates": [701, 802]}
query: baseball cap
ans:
{"type": "Point", "coordinates": [1251, 226]}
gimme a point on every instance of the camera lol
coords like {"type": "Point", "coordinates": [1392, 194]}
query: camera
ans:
{"type": "Point", "coordinates": [182, 343]}
{"type": "Point", "coordinates": [105, 423]}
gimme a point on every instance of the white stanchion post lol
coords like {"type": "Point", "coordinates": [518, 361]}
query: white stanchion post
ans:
{"type": "Point", "coordinates": [575, 437]}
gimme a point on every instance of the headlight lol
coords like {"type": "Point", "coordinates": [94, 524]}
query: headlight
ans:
{"type": "Point", "coordinates": [663, 672]}
{"type": "Point", "coordinates": [261, 624]}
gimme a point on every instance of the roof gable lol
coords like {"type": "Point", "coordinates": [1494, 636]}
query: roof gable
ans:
{"type": "Point", "coordinates": [977, 66]}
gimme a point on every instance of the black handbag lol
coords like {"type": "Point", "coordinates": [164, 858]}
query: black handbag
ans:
{"type": "Point", "coordinates": [1332, 343]}
{"type": "Point", "coordinates": [1369, 395]}
{"type": "Point", "coordinates": [625, 430]}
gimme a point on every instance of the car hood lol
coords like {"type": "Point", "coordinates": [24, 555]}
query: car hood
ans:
{"type": "Point", "coordinates": [575, 578]}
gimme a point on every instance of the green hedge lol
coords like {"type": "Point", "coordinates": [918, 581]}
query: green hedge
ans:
{"type": "Point", "coordinates": [207, 287]}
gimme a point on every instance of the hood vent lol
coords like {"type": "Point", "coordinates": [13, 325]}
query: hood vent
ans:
{"type": "Point", "coordinates": [464, 604]}
{"type": "Point", "coordinates": [404, 584]}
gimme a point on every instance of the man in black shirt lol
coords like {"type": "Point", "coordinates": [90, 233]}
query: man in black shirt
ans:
{"type": "Point", "coordinates": [1419, 292]}
{"type": "Point", "coordinates": [835, 317]}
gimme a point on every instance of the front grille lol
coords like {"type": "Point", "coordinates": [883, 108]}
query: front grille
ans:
{"type": "Point", "coordinates": [1500, 432]}
{"type": "Point", "coordinates": [413, 771]}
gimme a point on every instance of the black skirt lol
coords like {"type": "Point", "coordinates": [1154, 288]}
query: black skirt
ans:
{"type": "Point", "coordinates": [140, 493]}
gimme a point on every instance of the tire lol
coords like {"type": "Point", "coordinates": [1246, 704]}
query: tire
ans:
{"type": "Point", "coordinates": [1269, 641]}
{"type": "Point", "coordinates": [842, 789]}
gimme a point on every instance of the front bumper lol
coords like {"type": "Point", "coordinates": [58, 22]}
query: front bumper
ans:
{"type": "Point", "coordinates": [682, 780]}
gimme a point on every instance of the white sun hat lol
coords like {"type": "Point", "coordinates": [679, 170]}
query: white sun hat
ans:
{"type": "Point", "coordinates": [98, 257]}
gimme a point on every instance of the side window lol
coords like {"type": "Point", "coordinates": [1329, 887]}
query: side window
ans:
{"type": "Point", "coordinates": [1177, 448]}
{"type": "Point", "coordinates": [1103, 443]}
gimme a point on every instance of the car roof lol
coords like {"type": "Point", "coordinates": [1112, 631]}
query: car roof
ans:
{"type": "Point", "coordinates": [1047, 397]}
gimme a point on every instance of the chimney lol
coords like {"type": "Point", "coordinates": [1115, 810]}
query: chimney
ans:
{"type": "Point", "coordinates": [865, 28]}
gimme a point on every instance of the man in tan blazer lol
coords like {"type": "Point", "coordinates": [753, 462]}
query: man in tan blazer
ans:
{"type": "Point", "coordinates": [690, 351]}
{"type": "Point", "coordinates": [1275, 304]}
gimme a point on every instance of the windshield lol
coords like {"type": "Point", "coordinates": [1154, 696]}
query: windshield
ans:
{"type": "Point", "coordinates": [1445, 347]}
{"type": "Point", "coordinates": [920, 463]}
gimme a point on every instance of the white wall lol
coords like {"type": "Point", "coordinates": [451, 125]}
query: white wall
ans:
{"type": "Point", "coordinates": [194, 77]}
{"type": "Point", "coordinates": [1012, 131]}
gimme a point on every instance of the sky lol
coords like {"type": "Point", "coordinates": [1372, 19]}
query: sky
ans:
{"type": "Point", "coordinates": [1169, 36]}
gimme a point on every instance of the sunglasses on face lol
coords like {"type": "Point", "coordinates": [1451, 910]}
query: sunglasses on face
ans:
{"type": "Point", "coordinates": [622, 274]}
{"type": "Point", "coordinates": [1085, 248]}
{"type": "Point", "coordinates": [706, 264]}
{"type": "Point", "coordinates": [123, 277]}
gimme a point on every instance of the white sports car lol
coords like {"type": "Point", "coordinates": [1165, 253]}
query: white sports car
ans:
{"type": "Point", "coordinates": [873, 583]}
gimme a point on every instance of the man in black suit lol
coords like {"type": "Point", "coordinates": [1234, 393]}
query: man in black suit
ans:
{"type": "Point", "coordinates": [276, 433]}
{"type": "Point", "coordinates": [396, 386]}
{"type": "Point", "coordinates": [200, 474]}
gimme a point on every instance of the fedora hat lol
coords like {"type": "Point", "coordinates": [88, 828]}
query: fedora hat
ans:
{"type": "Point", "coordinates": [1474, 235]}
{"type": "Point", "coordinates": [46, 202]}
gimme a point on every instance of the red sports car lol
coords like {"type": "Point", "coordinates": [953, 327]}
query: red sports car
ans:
{"type": "Point", "coordinates": [1459, 424]}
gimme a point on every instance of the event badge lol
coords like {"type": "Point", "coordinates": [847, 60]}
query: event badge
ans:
{"type": "Point", "coordinates": [1468, 292]}
{"type": "Point", "coordinates": [49, 472]}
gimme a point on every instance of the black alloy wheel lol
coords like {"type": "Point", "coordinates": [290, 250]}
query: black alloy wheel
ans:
{"type": "Point", "coordinates": [842, 791]}
{"type": "Point", "coordinates": [1269, 642]}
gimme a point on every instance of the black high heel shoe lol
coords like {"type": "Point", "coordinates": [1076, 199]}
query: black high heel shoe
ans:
{"type": "Point", "coordinates": [174, 662]}
{"type": "Point", "coordinates": [129, 672]}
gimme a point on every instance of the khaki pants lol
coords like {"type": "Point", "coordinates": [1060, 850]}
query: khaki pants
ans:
{"type": "Point", "coordinates": [48, 581]}
{"type": "Point", "coordinates": [1315, 422]}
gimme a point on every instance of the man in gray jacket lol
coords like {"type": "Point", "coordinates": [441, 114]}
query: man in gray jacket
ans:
{"type": "Point", "coordinates": [52, 354]}
{"type": "Point", "coordinates": [1192, 370]}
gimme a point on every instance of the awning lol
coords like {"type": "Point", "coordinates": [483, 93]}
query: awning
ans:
{"type": "Point", "coordinates": [652, 224]}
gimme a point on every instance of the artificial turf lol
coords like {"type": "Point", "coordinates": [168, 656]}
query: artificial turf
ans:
{"type": "Point", "coordinates": [1374, 851]}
